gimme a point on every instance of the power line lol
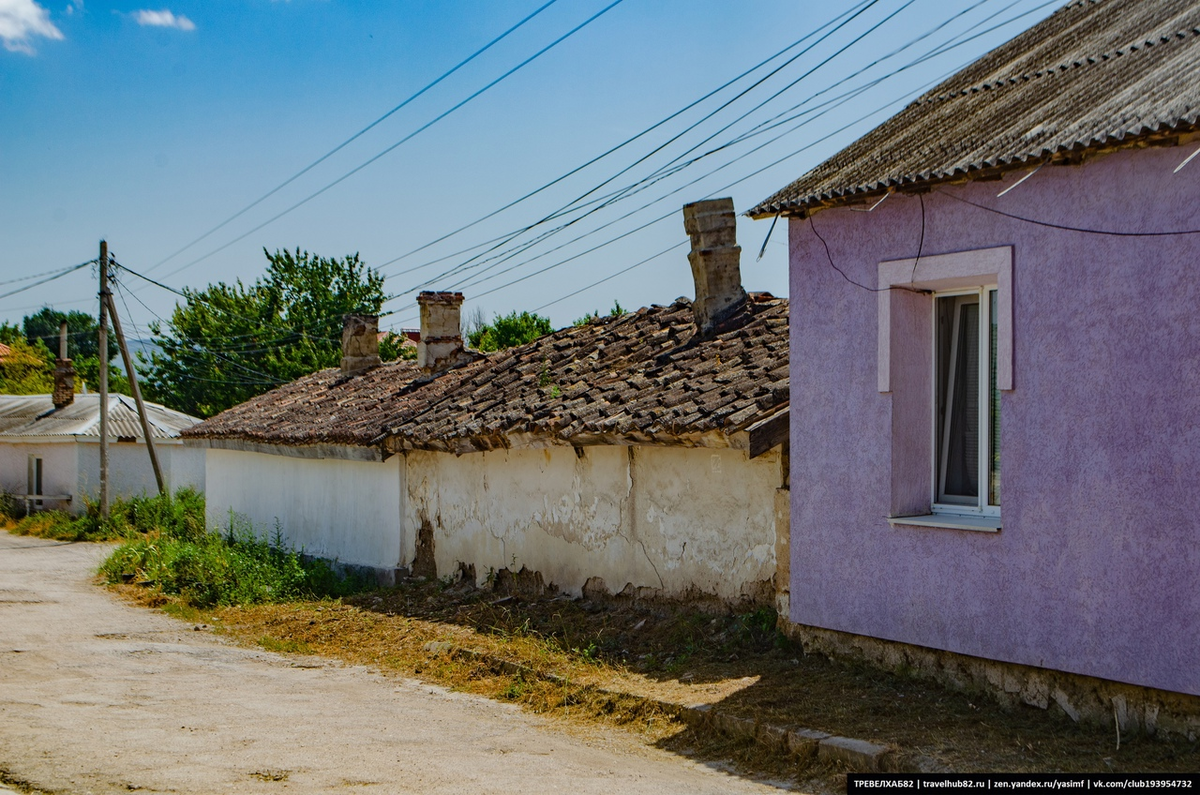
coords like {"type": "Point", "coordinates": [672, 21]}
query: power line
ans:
{"type": "Point", "coordinates": [408, 137]}
{"type": "Point", "coordinates": [1066, 227]}
{"type": "Point", "coordinates": [937, 51]}
{"type": "Point", "coordinates": [604, 154]}
{"type": "Point", "coordinates": [688, 129]}
{"type": "Point", "coordinates": [354, 137]}
{"type": "Point", "coordinates": [612, 276]}
{"type": "Point", "coordinates": [57, 275]}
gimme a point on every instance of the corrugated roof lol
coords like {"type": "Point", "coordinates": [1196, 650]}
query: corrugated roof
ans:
{"type": "Point", "coordinates": [642, 376]}
{"type": "Point", "coordinates": [1095, 75]}
{"type": "Point", "coordinates": [35, 415]}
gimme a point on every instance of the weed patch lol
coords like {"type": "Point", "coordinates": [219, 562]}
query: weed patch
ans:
{"type": "Point", "coordinates": [181, 514]}
{"type": "Point", "coordinates": [236, 567]}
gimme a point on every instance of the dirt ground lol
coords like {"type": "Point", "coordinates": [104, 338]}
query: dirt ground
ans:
{"type": "Point", "coordinates": [99, 696]}
{"type": "Point", "coordinates": [738, 664]}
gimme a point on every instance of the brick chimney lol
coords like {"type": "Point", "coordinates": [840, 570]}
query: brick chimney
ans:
{"type": "Point", "coordinates": [716, 261]}
{"type": "Point", "coordinates": [441, 346]}
{"type": "Point", "coordinates": [360, 343]}
{"type": "Point", "coordinates": [64, 372]}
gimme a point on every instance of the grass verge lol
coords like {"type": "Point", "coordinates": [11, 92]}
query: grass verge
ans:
{"type": "Point", "coordinates": [180, 514]}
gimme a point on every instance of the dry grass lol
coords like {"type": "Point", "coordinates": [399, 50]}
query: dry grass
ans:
{"type": "Point", "coordinates": [669, 653]}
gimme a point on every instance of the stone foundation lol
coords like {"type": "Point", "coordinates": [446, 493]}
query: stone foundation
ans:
{"type": "Point", "coordinates": [1083, 699]}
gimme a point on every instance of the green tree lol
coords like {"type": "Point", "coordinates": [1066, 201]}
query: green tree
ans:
{"type": "Point", "coordinates": [508, 331]}
{"type": "Point", "coordinates": [10, 332]}
{"type": "Point", "coordinates": [228, 343]}
{"type": "Point", "coordinates": [616, 311]}
{"type": "Point", "coordinates": [24, 370]}
{"type": "Point", "coordinates": [83, 340]}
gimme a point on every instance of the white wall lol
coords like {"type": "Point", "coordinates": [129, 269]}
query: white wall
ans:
{"type": "Point", "coordinates": [666, 518]}
{"type": "Point", "coordinates": [59, 468]}
{"type": "Point", "coordinates": [129, 470]}
{"type": "Point", "coordinates": [185, 468]}
{"type": "Point", "coordinates": [337, 509]}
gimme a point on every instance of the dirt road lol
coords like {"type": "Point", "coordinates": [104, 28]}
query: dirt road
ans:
{"type": "Point", "coordinates": [99, 697]}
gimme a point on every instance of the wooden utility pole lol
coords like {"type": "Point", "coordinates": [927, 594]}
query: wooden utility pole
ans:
{"type": "Point", "coordinates": [137, 395]}
{"type": "Point", "coordinates": [104, 299]}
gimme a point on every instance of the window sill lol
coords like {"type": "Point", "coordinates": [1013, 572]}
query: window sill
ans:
{"type": "Point", "coordinates": [941, 521]}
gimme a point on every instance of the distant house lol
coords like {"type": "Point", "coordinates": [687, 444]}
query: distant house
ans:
{"type": "Point", "coordinates": [995, 361]}
{"type": "Point", "coordinates": [50, 455]}
{"type": "Point", "coordinates": [639, 454]}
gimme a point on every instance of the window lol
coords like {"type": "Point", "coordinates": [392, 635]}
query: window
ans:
{"type": "Point", "coordinates": [966, 403]}
{"type": "Point", "coordinates": [945, 355]}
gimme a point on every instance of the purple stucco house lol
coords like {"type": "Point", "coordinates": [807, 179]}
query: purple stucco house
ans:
{"type": "Point", "coordinates": [995, 361]}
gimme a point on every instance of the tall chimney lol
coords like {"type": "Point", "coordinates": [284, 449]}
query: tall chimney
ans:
{"type": "Point", "coordinates": [441, 345]}
{"type": "Point", "coordinates": [64, 372]}
{"type": "Point", "coordinates": [360, 343]}
{"type": "Point", "coordinates": [716, 261]}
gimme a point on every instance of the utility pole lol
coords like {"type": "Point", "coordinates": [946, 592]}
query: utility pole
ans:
{"type": "Point", "coordinates": [137, 395]}
{"type": "Point", "coordinates": [104, 299]}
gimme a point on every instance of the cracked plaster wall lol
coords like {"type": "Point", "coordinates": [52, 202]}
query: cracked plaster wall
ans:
{"type": "Point", "coordinates": [664, 518]}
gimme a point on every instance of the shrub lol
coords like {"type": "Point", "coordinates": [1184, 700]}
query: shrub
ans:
{"type": "Point", "coordinates": [235, 567]}
{"type": "Point", "coordinates": [180, 515]}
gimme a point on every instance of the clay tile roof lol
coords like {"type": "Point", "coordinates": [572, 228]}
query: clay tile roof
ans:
{"type": "Point", "coordinates": [1095, 75]}
{"type": "Point", "coordinates": [324, 407]}
{"type": "Point", "coordinates": [644, 376]}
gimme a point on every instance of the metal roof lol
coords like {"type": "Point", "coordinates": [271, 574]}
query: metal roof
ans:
{"type": "Point", "coordinates": [1095, 75]}
{"type": "Point", "coordinates": [35, 415]}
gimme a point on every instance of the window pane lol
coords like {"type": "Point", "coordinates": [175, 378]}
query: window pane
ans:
{"type": "Point", "coordinates": [962, 441]}
{"type": "Point", "coordinates": [993, 405]}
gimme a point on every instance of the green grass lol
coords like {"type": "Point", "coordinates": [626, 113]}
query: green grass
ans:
{"type": "Point", "coordinates": [233, 567]}
{"type": "Point", "coordinates": [181, 515]}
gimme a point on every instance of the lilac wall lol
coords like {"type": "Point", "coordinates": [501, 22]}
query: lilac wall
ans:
{"type": "Point", "coordinates": [1097, 568]}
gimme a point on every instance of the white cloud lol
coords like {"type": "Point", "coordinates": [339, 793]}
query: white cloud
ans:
{"type": "Point", "coordinates": [21, 20]}
{"type": "Point", "coordinates": [161, 19]}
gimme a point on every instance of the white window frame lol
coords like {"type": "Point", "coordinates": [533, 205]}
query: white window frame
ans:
{"type": "Point", "coordinates": [982, 505]}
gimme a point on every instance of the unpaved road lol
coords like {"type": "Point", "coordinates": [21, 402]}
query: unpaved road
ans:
{"type": "Point", "coordinates": [97, 696]}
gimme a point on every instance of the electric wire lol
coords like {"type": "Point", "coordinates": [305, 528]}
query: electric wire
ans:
{"type": "Point", "coordinates": [354, 137]}
{"type": "Point", "coordinates": [1067, 227]}
{"type": "Point", "coordinates": [406, 138]}
{"type": "Point", "coordinates": [941, 49]}
{"type": "Point", "coordinates": [57, 275]}
{"type": "Point", "coordinates": [660, 174]}
{"type": "Point", "coordinates": [608, 152]}
{"type": "Point", "coordinates": [694, 125]}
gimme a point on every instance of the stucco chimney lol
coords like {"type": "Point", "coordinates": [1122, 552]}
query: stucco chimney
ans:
{"type": "Point", "coordinates": [716, 260]}
{"type": "Point", "coordinates": [360, 343]}
{"type": "Point", "coordinates": [64, 372]}
{"type": "Point", "coordinates": [441, 345]}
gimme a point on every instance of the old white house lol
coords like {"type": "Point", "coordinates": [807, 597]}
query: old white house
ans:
{"type": "Point", "coordinates": [644, 453]}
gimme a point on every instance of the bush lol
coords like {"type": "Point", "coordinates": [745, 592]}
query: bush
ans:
{"type": "Point", "coordinates": [181, 515]}
{"type": "Point", "coordinates": [232, 568]}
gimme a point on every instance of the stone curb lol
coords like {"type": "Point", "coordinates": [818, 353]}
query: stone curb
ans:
{"type": "Point", "coordinates": [806, 745]}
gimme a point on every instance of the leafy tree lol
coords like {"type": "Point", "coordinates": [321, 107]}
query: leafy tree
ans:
{"type": "Point", "coordinates": [616, 311]}
{"type": "Point", "coordinates": [10, 332]}
{"type": "Point", "coordinates": [25, 371]}
{"type": "Point", "coordinates": [228, 343]}
{"type": "Point", "coordinates": [508, 331]}
{"type": "Point", "coordinates": [83, 340]}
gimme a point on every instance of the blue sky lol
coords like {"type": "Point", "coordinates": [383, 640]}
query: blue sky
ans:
{"type": "Point", "coordinates": [150, 125]}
